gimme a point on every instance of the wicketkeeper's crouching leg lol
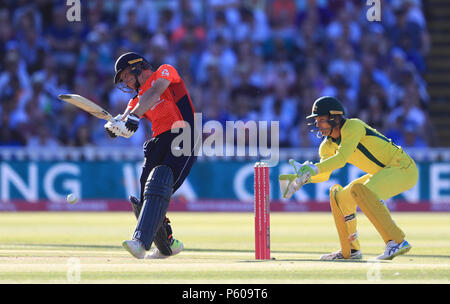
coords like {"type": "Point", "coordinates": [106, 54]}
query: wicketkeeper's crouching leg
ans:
{"type": "Point", "coordinates": [343, 208]}
{"type": "Point", "coordinates": [343, 203]}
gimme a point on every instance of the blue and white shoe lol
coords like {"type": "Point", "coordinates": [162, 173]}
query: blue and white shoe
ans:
{"type": "Point", "coordinates": [394, 249]}
{"type": "Point", "coordinates": [134, 247]}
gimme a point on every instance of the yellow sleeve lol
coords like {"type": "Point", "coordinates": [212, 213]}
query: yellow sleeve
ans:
{"type": "Point", "coordinates": [326, 150]}
{"type": "Point", "coordinates": [321, 177]}
{"type": "Point", "coordinates": [351, 134]}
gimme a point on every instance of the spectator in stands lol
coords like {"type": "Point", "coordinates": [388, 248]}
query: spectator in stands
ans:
{"type": "Point", "coordinates": [9, 136]}
{"type": "Point", "coordinates": [374, 112]}
{"type": "Point", "coordinates": [83, 137]}
{"type": "Point", "coordinates": [32, 49]}
{"type": "Point", "coordinates": [189, 27]}
{"type": "Point", "coordinates": [42, 138]}
{"type": "Point", "coordinates": [26, 16]}
{"type": "Point", "coordinates": [410, 111]}
{"type": "Point", "coordinates": [15, 87]}
{"type": "Point", "coordinates": [411, 138]}
{"type": "Point", "coordinates": [283, 10]}
{"type": "Point", "coordinates": [346, 65]}
{"type": "Point", "coordinates": [220, 28]}
{"type": "Point", "coordinates": [218, 53]}
{"type": "Point", "coordinates": [132, 34]}
{"type": "Point", "coordinates": [241, 59]}
{"type": "Point", "coordinates": [345, 27]}
{"type": "Point", "coordinates": [408, 33]}
{"type": "Point", "coordinates": [146, 13]}
{"type": "Point", "coordinates": [216, 102]}
{"type": "Point", "coordinates": [313, 9]}
{"type": "Point", "coordinates": [159, 51]}
{"type": "Point", "coordinates": [41, 103]}
{"type": "Point", "coordinates": [61, 39]}
{"type": "Point", "coordinates": [280, 106]}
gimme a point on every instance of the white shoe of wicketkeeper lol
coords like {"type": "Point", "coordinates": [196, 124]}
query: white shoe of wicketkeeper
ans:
{"type": "Point", "coordinates": [355, 255]}
{"type": "Point", "coordinates": [134, 247]}
{"type": "Point", "coordinates": [394, 249]}
{"type": "Point", "coordinates": [176, 247]}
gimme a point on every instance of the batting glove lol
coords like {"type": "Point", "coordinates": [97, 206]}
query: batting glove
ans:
{"type": "Point", "coordinates": [110, 133]}
{"type": "Point", "coordinates": [111, 128]}
{"type": "Point", "coordinates": [132, 123]}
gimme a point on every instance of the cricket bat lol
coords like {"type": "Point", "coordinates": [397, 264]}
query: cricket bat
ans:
{"type": "Point", "coordinates": [86, 105]}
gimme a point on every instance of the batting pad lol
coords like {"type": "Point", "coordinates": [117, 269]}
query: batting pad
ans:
{"type": "Point", "coordinates": [157, 193]}
{"type": "Point", "coordinates": [340, 222]}
{"type": "Point", "coordinates": [163, 234]}
{"type": "Point", "coordinates": [163, 237]}
{"type": "Point", "coordinates": [377, 213]}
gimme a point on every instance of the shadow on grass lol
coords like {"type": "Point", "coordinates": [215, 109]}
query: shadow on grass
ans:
{"type": "Point", "coordinates": [247, 250]}
{"type": "Point", "coordinates": [274, 259]}
{"type": "Point", "coordinates": [428, 256]}
{"type": "Point", "coordinates": [273, 252]}
{"type": "Point", "coordinates": [71, 246]}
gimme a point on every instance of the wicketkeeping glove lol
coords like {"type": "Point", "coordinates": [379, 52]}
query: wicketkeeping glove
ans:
{"type": "Point", "coordinates": [304, 171]}
{"type": "Point", "coordinates": [289, 184]}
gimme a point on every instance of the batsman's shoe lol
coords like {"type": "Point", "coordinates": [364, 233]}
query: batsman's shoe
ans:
{"type": "Point", "coordinates": [134, 247]}
{"type": "Point", "coordinates": [355, 255]}
{"type": "Point", "coordinates": [394, 249]}
{"type": "Point", "coordinates": [176, 247]}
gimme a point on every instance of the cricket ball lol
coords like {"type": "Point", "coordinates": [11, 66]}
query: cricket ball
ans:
{"type": "Point", "coordinates": [71, 198]}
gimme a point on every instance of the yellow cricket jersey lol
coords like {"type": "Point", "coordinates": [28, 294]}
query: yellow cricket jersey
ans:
{"type": "Point", "coordinates": [359, 145]}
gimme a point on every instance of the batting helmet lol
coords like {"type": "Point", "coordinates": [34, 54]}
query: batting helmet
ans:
{"type": "Point", "coordinates": [126, 60]}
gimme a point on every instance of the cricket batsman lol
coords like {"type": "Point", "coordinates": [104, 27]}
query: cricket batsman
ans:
{"type": "Point", "coordinates": [162, 98]}
{"type": "Point", "coordinates": [389, 171]}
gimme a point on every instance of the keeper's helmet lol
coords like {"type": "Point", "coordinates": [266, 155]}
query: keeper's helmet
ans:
{"type": "Point", "coordinates": [327, 105]}
{"type": "Point", "coordinates": [330, 106]}
{"type": "Point", "coordinates": [137, 64]}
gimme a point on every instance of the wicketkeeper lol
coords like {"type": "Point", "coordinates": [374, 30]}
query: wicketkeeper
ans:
{"type": "Point", "coordinates": [162, 98]}
{"type": "Point", "coordinates": [389, 169]}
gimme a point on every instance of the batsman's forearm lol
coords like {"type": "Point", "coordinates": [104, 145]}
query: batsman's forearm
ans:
{"type": "Point", "coordinates": [151, 97]}
{"type": "Point", "coordinates": [126, 113]}
{"type": "Point", "coordinates": [145, 103]}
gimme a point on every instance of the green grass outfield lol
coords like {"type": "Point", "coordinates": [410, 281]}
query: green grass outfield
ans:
{"type": "Point", "coordinates": [51, 247]}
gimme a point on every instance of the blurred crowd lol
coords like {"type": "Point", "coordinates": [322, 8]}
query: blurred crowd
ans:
{"type": "Point", "coordinates": [241, 60]}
